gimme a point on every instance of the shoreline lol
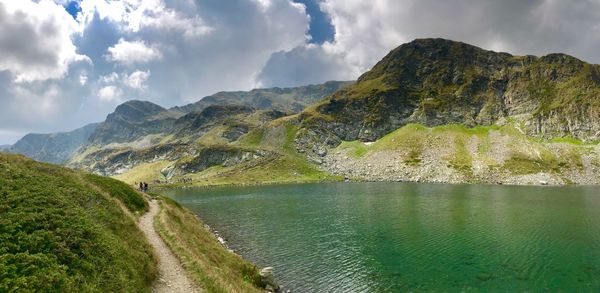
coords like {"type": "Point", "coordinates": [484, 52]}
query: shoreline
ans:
{"type": "Point", "coordinates": [360, 180]}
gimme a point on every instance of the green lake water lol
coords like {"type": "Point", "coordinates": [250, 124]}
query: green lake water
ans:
{"type": "Point", "coordinates": [397, 237]}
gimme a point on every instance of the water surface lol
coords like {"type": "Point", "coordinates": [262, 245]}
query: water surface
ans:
{"type": "Point", "coordinates": [391, 237]}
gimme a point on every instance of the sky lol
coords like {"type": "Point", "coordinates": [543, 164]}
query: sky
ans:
{"type": "Point", "coordinates": [65, 63]}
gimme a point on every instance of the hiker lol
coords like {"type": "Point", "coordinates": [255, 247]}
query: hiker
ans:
{"type": "Point", "coordinates": [141, 186]}
{"type": "Point", "coordinates": [145, 187]}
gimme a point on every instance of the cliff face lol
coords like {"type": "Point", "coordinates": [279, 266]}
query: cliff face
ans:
{"type": "Point", "coordinates": [436, 82]}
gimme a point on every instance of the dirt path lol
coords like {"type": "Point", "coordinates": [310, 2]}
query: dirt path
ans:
{"type": "Point", "coordinates": [171, 275]}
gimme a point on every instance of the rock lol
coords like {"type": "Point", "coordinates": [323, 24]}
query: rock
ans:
{"type": "Point", "coordinates": [268, 279]}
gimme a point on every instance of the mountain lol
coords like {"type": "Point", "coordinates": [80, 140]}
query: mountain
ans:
{"type": "Point", "coordinates": [132, 120]}
{"type": "Point", "coordinates": [138, 132]}
{"type": "Point", "coordinates": [290, 100]}
{"type": "Point", "coordinates": [435, 82]}
{"type": "Point", "coordinates": [432, 110]}
{"type": "Point", "coordinates": [445, 111]}
{"type": "Point", "coordinates": [53, 147]}
{"type": "Point", "coordinates": [5, 147]}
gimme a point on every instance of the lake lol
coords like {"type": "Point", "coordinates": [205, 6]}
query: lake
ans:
{"type": "Point", "coordinates": [391, 237]}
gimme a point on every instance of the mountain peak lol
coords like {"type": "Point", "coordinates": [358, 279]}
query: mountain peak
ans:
{"type": "Point", "coordinates": [137, 110]}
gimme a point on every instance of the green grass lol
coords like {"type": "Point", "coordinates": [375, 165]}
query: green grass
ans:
{"type": "Point", "coordinates": [146, 172]}
{"type": "Point", "coordinates": [355, 148]}
{"type": "Point", "coordinates": [211, 265]}
{"type": "Point", "coordinates": [131, 198]}
{"type": "Point", "coordinates": [62, 232]}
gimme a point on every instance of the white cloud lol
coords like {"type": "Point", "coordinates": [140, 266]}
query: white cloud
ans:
{"type": "Point", "coordinates": [129, 53]}
{"type": "Point", "coordinates": [203, 46]}
{"type": "Point", "coordinates": [365, 31]}
{"type": "Point", "coordinates": [137, 79]}
{"type": "Point", "coordinates": [109, 78]}
{"type": "Point", "coordinates": [83, 78]}
{"type": "Point", "coordinates": [41, 102]}
{"type": "Point", "coordinates": [35, 40]}
{"type": "Point", "coordinates": [110, 93]}
{"type": "Point", "coordinates": [135, 15]}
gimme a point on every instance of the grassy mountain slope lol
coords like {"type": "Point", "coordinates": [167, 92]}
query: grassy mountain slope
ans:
{"type": "Point", "coordinates": [264, 155]}
{"type": "Point", "coordinates": [53, 147]}
{"type": "Point", "coordinates": [64, 231]}
{"type": "Point", "coordinates": [457, 154]}
{"type": "Point", "coordinates": [435, 82]}
{"type": "Point", "coordinates": [210, 128]}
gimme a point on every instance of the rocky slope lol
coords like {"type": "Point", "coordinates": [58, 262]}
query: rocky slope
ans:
{"type": "Point", "coordinates": [290, 100]}
{"type": "Point", "coordinates": [551, 104]}
{"type": "Point", "coordinates": [192, 138]}
{"type": "Point", "coordinates": [436, 82]}
{"type": "Point", "coordinates": [53, 147]}
{"type": "Point", "coordinates": [133, 120]}
{"type": "Point", "coordinates": [456, 154]}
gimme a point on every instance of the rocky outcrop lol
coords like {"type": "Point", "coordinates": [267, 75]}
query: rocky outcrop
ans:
{"type": "Point", "coordinates": [109, 162]}
{"type": "Point", "coordinates": [220, 156]}
{"type": "Point", "coordinates": [436, 82]}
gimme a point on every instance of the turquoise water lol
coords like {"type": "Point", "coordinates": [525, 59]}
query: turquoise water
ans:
{"type": "Point", "coordinates": [395, 237]}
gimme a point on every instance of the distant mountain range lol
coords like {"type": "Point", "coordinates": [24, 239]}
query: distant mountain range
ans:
{"type": "Point", "coordinates": [135, 120]}
{"type": "Point", "coordinates": [431, 110]}
{"type": "Point", "coordinates": [53, 147]}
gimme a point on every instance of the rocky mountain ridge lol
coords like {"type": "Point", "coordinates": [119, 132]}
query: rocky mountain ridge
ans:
{"type": "Point", "coordinates": [435, 82]}
{"type": "Point", "coordinates": [54, 147]}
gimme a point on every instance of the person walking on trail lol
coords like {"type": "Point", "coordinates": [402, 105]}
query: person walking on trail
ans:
{"type": "Point", "coordinates": [141, 186]}
{"type": "Point", "coordinates": [145, 187]}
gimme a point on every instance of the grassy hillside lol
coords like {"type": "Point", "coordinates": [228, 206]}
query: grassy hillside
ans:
{"type": "Point", "coordinates": [209, 263]}
{"type": "Point", "coordinates": [438, 82]}
{"type": "Point", "coordinates": [274, 160]}
{"type": "Point", "coordinates": [64, 231]}
{"type": "Point", "coordinates": [455, 153]}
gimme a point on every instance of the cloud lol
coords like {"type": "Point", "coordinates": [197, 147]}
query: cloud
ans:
{"type": "Point", "coordinates": [133, 16]}
{"type": "Point", "coordinates": [137, 79]}
{"type": "Point", "coordinates": [365, 31]}
{"type": "Point", "coordinates": [129, 53]}
{"type": "Point", "coordinates": [303, 65]}
{"type": "Point", "coordinates": [110, 93]}
{"type": "Point", "coordinates": [35, 40]}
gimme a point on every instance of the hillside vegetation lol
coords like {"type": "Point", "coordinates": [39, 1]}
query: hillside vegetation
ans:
{"type": "Point", "coordinates": [457, 154]}
{"type": "Point", "coordinates": [437, 82]}
{"type": "Point", "coordinates": [209, 263]}
{"type": "Point", "coordinates": [64, 231]}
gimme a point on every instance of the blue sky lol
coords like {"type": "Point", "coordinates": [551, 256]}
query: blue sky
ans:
{"type": "Point", "coordinates": [320, 28]}
{"type": "Point", "coordinates": [65, 63]}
